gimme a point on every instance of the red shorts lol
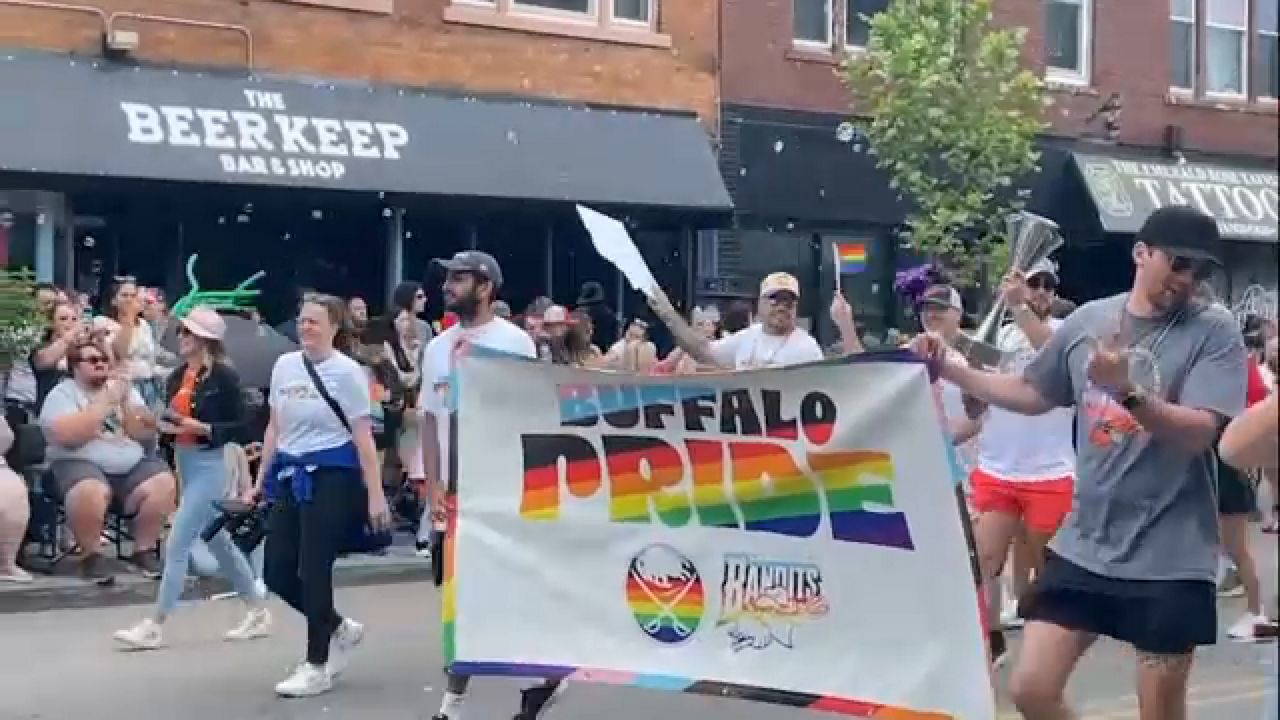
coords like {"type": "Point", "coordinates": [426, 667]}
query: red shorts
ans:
{"type": "Point", "coordinates": [1042, 504]}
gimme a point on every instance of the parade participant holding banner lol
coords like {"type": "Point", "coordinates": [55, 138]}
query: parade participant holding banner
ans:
{"type": "Point", "coordinates": [1155, 376]}
{"type": "Point", "coordinates": [470, 289]}
{"type": "Point", "coordinates": [1023, 475]}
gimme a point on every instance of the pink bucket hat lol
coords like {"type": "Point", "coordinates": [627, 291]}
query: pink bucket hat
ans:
{"type": "Point", "coordinates": [205, 322]}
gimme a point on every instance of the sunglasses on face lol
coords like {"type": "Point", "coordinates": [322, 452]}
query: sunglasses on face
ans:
{"type": "Point", "coordinates": [782, 299]}
{"type": "Point", "coordinates": [1200, 269]}
{"type": "Point", "coordinates": [94, 359]}
{"type": "Point", "coordinates": [1042, 283]}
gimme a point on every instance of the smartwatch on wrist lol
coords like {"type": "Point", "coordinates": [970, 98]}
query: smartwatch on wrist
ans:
{"type": "Point", "coordinates": [1132, 400]}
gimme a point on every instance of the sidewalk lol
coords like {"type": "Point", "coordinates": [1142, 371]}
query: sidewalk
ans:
{"type": "Point", "coordinates": [66, 590]}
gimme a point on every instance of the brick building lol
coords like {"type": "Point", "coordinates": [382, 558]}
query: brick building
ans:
{"type": "Point", "coordinates": [1186, 115]}
{"type": "Point", "coordinates": [346, 141]}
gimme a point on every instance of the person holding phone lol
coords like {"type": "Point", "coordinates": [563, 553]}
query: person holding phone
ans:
{"type": "Point", "coordinates": [320, 472]}
{"type": "Point", "coordinates": [205, 411]}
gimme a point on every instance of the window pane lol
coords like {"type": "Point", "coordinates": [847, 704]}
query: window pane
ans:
{"type": "Point", "coordinates": [1269, 66]}
{"type": "Point", "coordinates": [637, 10]}
{"type": "Point", "coordinates": [811, 20]}
{"type": "Point", "coordinates": [1267, 11]}
{"type": "Point", "coordinates": [578, 6]}
{"type": "Point", "coordinates": [1183, 9]}
{"type": "Point", "coordinates": [1224, 71]}
{"type": "Point", "coordinates": [1062, 35]}
{"type": "Point", "coordinates": [1228, 12]}
{"type": "Point", "coordinates": [858, 30]}
{"type": "Point", "coordinates": [1182, 54]}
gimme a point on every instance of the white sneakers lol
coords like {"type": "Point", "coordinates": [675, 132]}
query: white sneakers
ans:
{"type": "Point", "coordinates": [256, 624]}
{"type": "Point", "coordinates": [148, 635]}
{"type": "Point", "coordinates": [307, 680]}
{"type": "Point", "coordinates": [1252, 627]}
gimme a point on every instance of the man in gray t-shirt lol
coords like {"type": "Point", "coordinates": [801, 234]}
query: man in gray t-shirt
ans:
{"type": "Point", "coordinates": [1154, 376]}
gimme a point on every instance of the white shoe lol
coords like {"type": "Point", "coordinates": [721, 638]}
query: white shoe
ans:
{"type": "Point", "coordinates": [345, 639]}
{"type": "Point", "coordinates": [1245, 629]}
{"type": "Point", "coordinates": [146, 635]}
{"type": "Point", "coordinates": [1009, 619]}
{"type": "Point", "coordinates": [450, 707]}
{"type": "Point", "coordinates": [256, 624]}
{"type": "Point", "coordinates": [306, 681]}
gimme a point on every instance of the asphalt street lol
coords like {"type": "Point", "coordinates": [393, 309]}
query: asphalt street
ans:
{"type": "Point", "coordinates": [61, 665]}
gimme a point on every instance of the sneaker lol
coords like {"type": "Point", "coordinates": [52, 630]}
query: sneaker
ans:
{"type": "Point", "coordinates": [535, 701]}
{"type": "Point", "coordinates": [307, 680]}
{"type": "Point", "coordinates": [93, 567]}
{"type": "Point", "coordinates": [146, 635]}
{"type": "Point", "coordinates": [450, 707]}
{"type": "Point", "coordinates": [998, 648]}
{"type": "Point", "coordinates": [1009, 618]}
{"type": "Point", "coordinates": [256, 624]}
{"type": "Point", "coordinates": [1231, 585]}
{"type": "Point", "coordinates": [345, 639]}
{"type": "Point", "coordinates": [423, 549]}
{"type": "Point", "coordinates": [1252, 627]}
{"type": "Point", "coordinates": [16, 575]}
{"type": "Point", "coordinates": [148, 563]}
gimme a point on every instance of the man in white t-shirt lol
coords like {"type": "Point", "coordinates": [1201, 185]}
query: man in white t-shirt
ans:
{"type": "Point", "coordinates": [470, 289]}
{"type": "Point", "coordinates": [1024, 474]}
{"type": "Point", "coordinates": [775, 341]}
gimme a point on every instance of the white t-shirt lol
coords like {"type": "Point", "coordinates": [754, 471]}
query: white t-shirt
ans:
{"type": "Point", "coordinates": [437, 368]}
{"type": "Point", "coordinates": [1026, 448]}
{"type": "Point", "coordinates": [304, 421]}
{"type": "Point", "coordinates": [113, 451]}
{"type": "Point", "coordinates": [752, 348]}
{"type": "Point", "coordinates": [142, 359]}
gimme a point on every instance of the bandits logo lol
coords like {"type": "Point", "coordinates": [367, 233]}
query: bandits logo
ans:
{"type": "Point", "coordinates": [762, 601]}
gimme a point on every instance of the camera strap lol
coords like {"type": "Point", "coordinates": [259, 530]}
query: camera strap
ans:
{"type": "Point", "coordinates": [324, 392]}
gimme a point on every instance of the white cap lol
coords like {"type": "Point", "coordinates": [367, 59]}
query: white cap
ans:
{"type": "Point", "coordinates": [1044, 267]}
{"type": "Point", "coordinates": [780, 282]}
{"type": "Point", "coordinates": [554, 315]}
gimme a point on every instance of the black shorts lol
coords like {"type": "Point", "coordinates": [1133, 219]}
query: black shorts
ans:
{"type": "Point", "coordinates": [1168, 617]}
{"type": "Point", "coordinates": [1236, 495]}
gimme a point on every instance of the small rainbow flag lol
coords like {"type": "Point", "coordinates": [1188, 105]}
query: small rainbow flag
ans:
{"type": "Point", "coordinates": [853, 258]}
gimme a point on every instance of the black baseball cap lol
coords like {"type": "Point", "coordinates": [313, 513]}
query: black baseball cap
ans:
{"type": "Point", "coordinates": [473, 261]}
{"type": "Point", "coordinates": [1183, 231]}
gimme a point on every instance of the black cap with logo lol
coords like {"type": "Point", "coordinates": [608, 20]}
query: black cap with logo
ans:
{"type": "Point", "coordinates": [1183, 231]}
{"type": "Point", "coordinates": [476, 262]}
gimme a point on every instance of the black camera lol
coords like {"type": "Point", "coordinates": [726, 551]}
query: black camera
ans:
{"type": "Point", "coordinates": [245, 522]}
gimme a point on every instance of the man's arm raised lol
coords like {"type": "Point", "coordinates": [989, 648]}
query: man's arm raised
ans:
{"type": "Point", "coordinates": [688, 339]}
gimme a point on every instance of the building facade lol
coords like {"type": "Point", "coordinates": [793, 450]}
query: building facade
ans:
{"type": "Point", "coordinates": [1188, 115]}
{"type": "Point", "coordinates": [339, 144]}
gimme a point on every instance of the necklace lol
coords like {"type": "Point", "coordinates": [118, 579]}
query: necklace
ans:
{"type": "Point", "coordinates": [755, 346]}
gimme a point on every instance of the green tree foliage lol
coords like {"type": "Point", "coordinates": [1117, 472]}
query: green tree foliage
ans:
{"type": "Point", "coordinates": [952, 117]}
{"type": "Point", "coordinates": [20, 322]}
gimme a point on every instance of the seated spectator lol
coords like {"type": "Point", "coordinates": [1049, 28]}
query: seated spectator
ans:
{"type": "Point", "coordinates": [95, 424]}
{"type": "Point", "coordinates": [14, 513]}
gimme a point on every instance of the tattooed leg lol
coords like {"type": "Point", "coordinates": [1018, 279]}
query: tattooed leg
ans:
{"type": "Point", "coordinates": [1162, 685]}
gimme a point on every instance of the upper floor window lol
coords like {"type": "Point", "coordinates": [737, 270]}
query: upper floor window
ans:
{"type": "Point", "coordinates": [1068, 39]}
{"type": "Point", "coordinates": [811, 21]}
{"type": "Point", "coordinates": [1226, 47]}
{"type": "Point", "coordinates": [857, 20]}
{"type": "Point", "coordinates": [1182, 43]}
{"type": "Point", "coordinates": [1267, 72]}
{"type": "Point", "coordinates": [600, 11]}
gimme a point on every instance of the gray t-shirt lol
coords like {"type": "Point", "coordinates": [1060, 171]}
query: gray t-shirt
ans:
{"type": "Point", "coordinates": [1144, 509]}
{"type": "Point", "coordinates": [112, 450]}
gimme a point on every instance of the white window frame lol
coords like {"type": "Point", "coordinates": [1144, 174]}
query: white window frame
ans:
{"type": "Point", "coordinates": [1244, 55]}
{"type": "Point", "coordinates": [1274, 34]}
{"type": "Point", "coordinates": [614, 19]}
{"type": "Point", "coordinates": [1195, 48]}
{"type": "Point", "coordinates": [1084, 50]}
{"type": "Point", "coordinates": [808, 44]}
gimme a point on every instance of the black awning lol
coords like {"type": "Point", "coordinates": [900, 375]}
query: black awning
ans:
{"type": "Point", "coordinates": [63, 115]}
{"type": "Point", "coordinates": [1126, 188]}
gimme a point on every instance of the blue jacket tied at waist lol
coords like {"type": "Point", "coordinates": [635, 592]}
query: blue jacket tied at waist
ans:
{"type": "Point", "coordinates": [297, 469]}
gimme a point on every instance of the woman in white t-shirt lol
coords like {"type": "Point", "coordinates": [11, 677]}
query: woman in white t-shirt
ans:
{"type": "Point", "coordinates": [322, 477]}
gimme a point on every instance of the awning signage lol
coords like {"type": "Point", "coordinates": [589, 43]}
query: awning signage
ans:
{"type": "Point", "coordinates": [72, 116]}
{"type": "Point", "coordinates": [1126, 191]}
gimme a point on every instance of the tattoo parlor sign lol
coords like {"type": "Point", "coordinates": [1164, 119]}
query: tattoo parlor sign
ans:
{"type": "Point", "coordinates": [1126, 191]}
{"type": "Point", "coordinates": [747, 534]}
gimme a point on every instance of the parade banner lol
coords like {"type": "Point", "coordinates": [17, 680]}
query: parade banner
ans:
{"type": "Point", "coordinates": [784, 535]}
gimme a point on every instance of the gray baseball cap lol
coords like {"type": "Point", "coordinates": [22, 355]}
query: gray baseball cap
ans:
{"type": "Point", "coordinates": [473, 261]}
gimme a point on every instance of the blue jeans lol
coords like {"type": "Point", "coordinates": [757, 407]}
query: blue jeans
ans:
{"type": "Point", "coordinates": [203, 481]}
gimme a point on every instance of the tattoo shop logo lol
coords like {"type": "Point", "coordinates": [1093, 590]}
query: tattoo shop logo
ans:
{"type": "Point", "coordinates": [763, 600]}
{"type": "Point", "coordinates": [665, 594]}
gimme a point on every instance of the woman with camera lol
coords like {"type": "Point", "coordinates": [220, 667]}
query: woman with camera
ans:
{"type": "Point", "coordinates": [320, 472]}
{"type": "Point", "coordinates": [205, 412]}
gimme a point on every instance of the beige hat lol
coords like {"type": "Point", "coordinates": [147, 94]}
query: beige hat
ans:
{"type": "Point", "coordinates": [779, 282]}
{"type": "Point", "coordinates": [205, 322]}
{"type": "Point", "coordinates": [555, 315]}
